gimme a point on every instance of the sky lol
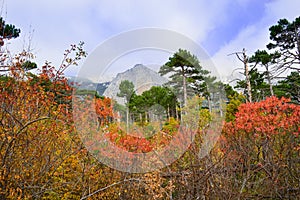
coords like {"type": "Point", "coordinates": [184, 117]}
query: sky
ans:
{"type": "Point", "coordinates": [220, 27]}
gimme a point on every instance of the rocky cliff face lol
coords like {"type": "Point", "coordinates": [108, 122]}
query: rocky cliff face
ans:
{"type": "Point", "coordinates": [141, 76]}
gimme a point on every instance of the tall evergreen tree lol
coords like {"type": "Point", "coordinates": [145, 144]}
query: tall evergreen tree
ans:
{"type": "Point", "coordinates": [183, 68]}
{"type": "Point", "coordinates": [265, 59]}
{"type": "Point", "coordinates": [259, 88]}
{"type": "Point", "coordinates": [7, 31]}
{"type": "Point", "coordinates": [289, 87]}
{"type": "Point", "coordinates": [285, 38]}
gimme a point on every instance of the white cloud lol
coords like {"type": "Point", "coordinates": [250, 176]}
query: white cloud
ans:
{"type": "Point", "coordinates": [282, 9]}
{"type": "Point", "coordinates": [253, 37]}
{"type": "Point", "coordinates": [193, 18]}
{"type": "Point", "coordinates": [58, 24]}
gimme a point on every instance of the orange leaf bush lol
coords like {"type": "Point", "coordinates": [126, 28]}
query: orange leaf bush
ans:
{"type": "Point", "coordinates": [262, 149]}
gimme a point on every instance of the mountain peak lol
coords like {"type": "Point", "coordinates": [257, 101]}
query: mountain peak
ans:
{"type": "Point", "coordinates": [138, 65]}
{"type": "Point", "coordinates": [140, 75]}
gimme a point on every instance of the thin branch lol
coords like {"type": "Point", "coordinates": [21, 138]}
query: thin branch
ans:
{"type": "Point", "coordinates": [14, 138]}
{"type": "Point", "coordinates": [109, 186]}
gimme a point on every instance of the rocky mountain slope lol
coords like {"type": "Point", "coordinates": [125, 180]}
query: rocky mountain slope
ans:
{"type": "Point", "coordinates": [141, 76]}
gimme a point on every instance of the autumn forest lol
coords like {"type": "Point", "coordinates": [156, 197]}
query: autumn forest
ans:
{"type": "Point", "coordinates": [237, 140]}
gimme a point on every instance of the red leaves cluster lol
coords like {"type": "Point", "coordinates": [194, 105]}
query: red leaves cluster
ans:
{"type": "Point", "coordinates": [269, 117]}
{"type": "Point", "coordinates": [35, 132]}
{"type": "Point", "coordinates": [128, 142]}
{"type": "Point", "coordinates": [104, 110]}
{"type": "Point", "coordinates": [135, 144]}
{"type": "Point", "coordinates": [262, 144]}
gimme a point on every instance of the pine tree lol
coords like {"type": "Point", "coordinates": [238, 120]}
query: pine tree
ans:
{"type": "Point", "coordinates": [184, 69]}
{"type": "Point", "coordinates": [285, 38]}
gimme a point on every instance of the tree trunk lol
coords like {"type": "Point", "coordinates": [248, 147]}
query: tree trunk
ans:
{"type": "Point", "coordinates": [209, 104]}
{"type": "Point", "coordinates": [269, 80]}
{"type": "Point", "coordinates": [220, 106]}
{"type": "Point", "coordinates": [184, 90]}
{"type": "Point", "coordinates": [168, 113]}
{"type": "Point", "coordinates": [127, 119]}
{"type": "Point", "coordinates": [298, 42]}
{"type": "Point", "coordinates": [247, 76]}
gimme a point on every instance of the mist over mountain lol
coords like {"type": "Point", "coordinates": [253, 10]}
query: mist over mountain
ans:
{"type": "Point", "coordinates": [141, 76]}
{"type": "Point", "coordinates": [83, 83]}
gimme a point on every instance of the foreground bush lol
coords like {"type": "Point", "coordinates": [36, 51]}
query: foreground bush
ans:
{"type": "Point", "coordinates": [262, 145]}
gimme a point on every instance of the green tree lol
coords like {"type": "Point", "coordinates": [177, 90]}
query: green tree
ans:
{"type": "Point", "coordinates": [265, 59]}
{"type": "Point", "coordinates": [285, 38]}
{"type": "Point", "coordinates": [213, 91]}
{"type": "Point", "coordinates": [157, 95]}
{"type": "Point", "coordinates": [183, 68]}
{"type": "Point", "coordinates": [289, 87]}
{"type": "Point", "coordinates": [126, 90]}
{"type": "Point", "coordinates": [138, 107]}
{"type": "Point", "coordinates": [229, 91]}
{"type": "Point", "coordinates": [235, 100]}
{"type": "Point", "coordinates": [205, 88]}
{"type": "Point", "coordinates": [7, 31]}
{"type": "Point", "coordinates": [259, 88]}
